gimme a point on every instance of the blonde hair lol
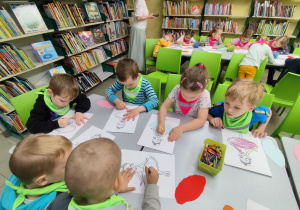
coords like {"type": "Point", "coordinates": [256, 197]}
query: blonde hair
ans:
{"type": "Point", "coordinates": [92, 169]}
{"type": "Point", "coordinates": [37, 155]}
{"type": "Point", "coordinates": [246, 90]}
{"type": "Point", "coordinates": [262, 37]}
{"type": "Point", "coordinates": [283, 40]}
{"type": "Point", "coordinates": [171, 35]}
{"type": "Point", "coordinates": [214, 30]}
{"type": "Point", "coordinates": [64, 85]}
{"type": "Point", "coordinates": [248, 33]}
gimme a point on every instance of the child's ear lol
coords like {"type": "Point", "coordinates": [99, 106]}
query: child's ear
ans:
{"type": "Point", "coordinates": [118, 183]}
{"type": "Point", "coordinates": [49, 92]}
{"type": "Point", "coordinates": [251, 108]}
{"type": "Point", "coordinates": [41, 180]}
{"type": "Point", "coordinates": [139, 75]}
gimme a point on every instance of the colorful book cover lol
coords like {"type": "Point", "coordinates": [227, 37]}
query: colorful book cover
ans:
{"type": "Point", "coordinates": [29, 17]}
{"type": "Point", "coordinates": [44, 51]}
{"type": "Point", "coordinates": [195, 10]}
{"type": "Point", "coordinates": [87, 38]}
{"type": "Point", "coordinates": [92, 12]}
{"type": "Point", "coordinates": [57, 70]}
{"type": "Point", "coordinates": [98, 34]}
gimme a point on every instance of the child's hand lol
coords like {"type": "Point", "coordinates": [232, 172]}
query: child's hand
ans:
{"type": "Point", "coordinates": [126, 176]}
{"type": "Point", "coordinates": [258, 133]}
{"type": "Point", "coordinates": [237, 47]}
{"type": "Point", "coordinates": [206, 44]}
{"type": "Point", "coordinates": [217, 122]}
{"type": "Point", "coordinates": [63, 122]}
{"type": "Point", "coordinates": [79, 118]}
{"type": "Point", "coordinates": [152, 175]}
{"type": "Point", "coordinates": [132, 113]}
{"type": "Point", "coordinates": [214, 47]}
{"type": "Point", "coordinates": [191, 44]}
{"type": "Point", "coordinates": [160, 128]}
{"type": "Point", "coordinates": [175, 134]}
{"type": "Point", "coordinates": [120, 104]}
{"type": "Point", "coordinates": [245, 48]}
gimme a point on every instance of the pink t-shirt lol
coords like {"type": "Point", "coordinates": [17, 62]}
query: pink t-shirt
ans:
{"type": "Point", "coordinates": [237, 42]}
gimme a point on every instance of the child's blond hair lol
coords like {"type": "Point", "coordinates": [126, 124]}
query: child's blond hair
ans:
{"type": "Point", "coordinates": [248, 33]}
{"type": "Point", "coordinates": [37, 155]}
{"type": "Point", "coordinates": [64, 85]}
{"type": "Point", "coordinates": [246, 90]}
{"type": "Point", "coordinates": [170, 35]}
{"type": "Point", "coordinates": [214, 30]}
{"type": "Point", "coordinates": [262, 37]}
{"type": "Point", "coordinates": [283, 40]}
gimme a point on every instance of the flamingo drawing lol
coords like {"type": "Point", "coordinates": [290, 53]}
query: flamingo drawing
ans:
{"type": "Point", "coordinates": [158, 137]}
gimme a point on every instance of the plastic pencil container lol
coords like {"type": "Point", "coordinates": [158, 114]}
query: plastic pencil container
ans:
{"type": "Point", "coordinates": [208, 168]}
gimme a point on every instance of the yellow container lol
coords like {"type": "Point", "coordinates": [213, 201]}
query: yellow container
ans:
{"type": "Point", "coordinates": [207, 168]}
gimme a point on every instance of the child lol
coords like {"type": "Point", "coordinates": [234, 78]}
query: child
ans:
{"type": "Point", "coordinates": [255, 56]}
{"type": "Point", "coordinates": [242, 42]}
{"type": "Point", "coordinates": [190, 98]}
{"type": "Point", "coordinates": [214, 38]}
{"type": "Point", "coordinates": [163, 42]}
{"type": "Point", "coordinates": [187, 38]}
{"type": "Point", "coordinates": [135, 89]}
{"type": "Point", "coordinates": [62, 93]}
{"type": "Point", "coordinates": [91, 185]}
{"type": "Point", "coordinates": [38, 166]}
{"type": "Point", "coordinates": [239, 111]}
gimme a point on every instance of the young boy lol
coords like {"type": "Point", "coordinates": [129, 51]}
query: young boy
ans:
{"type": "Point", "coordinates": [135, 89]}
{"type": "Point", "coordinates": [239, 112]}
{"type": "Point", "coordinates": [163, 42]}
{"type": "Point", "coordinates": [38, 166]}
{"type": "Point", "coordinates": [91, 183]}
{"type": "Point", "coordinates": [62, 93]}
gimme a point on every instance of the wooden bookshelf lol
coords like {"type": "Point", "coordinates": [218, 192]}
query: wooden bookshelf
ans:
{"type": "Point", "coordinates": [118, 38]}
{"type": "Point", "coordinates": [88, 48]}
{"type": "Point", "coordinates": [182, 15]}
{"type": "Point", "coordinates": [237, 33]}
{"type": "Point", "coordinates": [179, 28]}
{"type": "Point", "coordinates": [229, 16]}
{"type": "Point", "coordinates": [26, 35]}
{"type": "Point", "coordinates": [75, 27]}
{"type": "Point", "coordinates": [275, 18]}
{"type": "Point", "coordinates": [291, 36]}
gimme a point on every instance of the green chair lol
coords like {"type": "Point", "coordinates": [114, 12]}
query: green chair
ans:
{"type": "Point", "coordinates": [202, 38]}
{"type": "Point", "coordinates": [252, 40]}
{"type": "Point", "coordinates": [167, 60]}
{"type": "Point", "coordinates": [24, 103]}
{"type": "Point", "coordinates": [227, 41]}
{"type": "Point", "coordinates": [296, 51]}
{"type": "Point", "coordinates": [291, 122]}
{"type": "Point", "coordinates": [219, 94]}
{"type": "Point", "coordinates": [260, 70]}
{"type": "Point", "coordinates": [173, 80]}
{"type": "Point", "coordinates": [150, 45]}
{"type": "Point", "coordinates": [212, 63]}
{"type": "Point", "coordinates": [196, 37]}
{"type": "Point", "coordinates": [233, 68]}
{"type": "Point", "coordinates": [156, 85]}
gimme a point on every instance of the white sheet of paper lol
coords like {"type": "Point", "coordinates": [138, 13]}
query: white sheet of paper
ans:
{"type": "Point", "coordinates": [214, 51]}
{"type": "Point", "coordinates": [152, 139]}
{"type": "Point", "coordinates": [279, 62]}
{"type": "Point", "coordinates": [70, 130]}
{"type": "Point", "coordinates": [163, 163]}
{"type": "Point", "coordinates": [91, 133]}
{"type": "Point", "coordinates": [117, 124]}
{"type": "Point", "coordinates": [241, 51]}
{"type": "Point", "coordinates": [207, 48]}
{"type": "Point", "coordinates": [244, 151]}
{"type": "Point", "coordinates": [187, 51]}
{"type": "Point", "coordinates": [251, 205]}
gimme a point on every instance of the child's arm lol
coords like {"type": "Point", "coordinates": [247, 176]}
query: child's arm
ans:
{"type": "Point", "coordinates": [233, 43]}
{"type": "Point", "coordinates": [176, 133]}
{"type": "Point", "coordinates": [219, 44]}
{"type": "Point", "coordinates": [110, 93]}
{"type": "Point", "coordinates": [215, 121]}
{"type": "Point", "coordinates": [260, 130]}
{"type": "Point", "coordinates": [164, 43]}
{"type": "Point", "coordinates": [270, 55]}
{"type": "Point", "coordinates": [162, 115]}
{"type": "Point", "coordinates": [179, 41]}
{"type": "Point", "coordinates": [83, 104]}
{"type": "Point", "coordinates": [204, 42]}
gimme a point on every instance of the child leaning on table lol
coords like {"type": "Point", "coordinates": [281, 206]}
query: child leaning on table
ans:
{"type": "Point", "coordinates": [63, 93]}
{"type": "Point", "coordinates": [187, 38]}
{"type": "Point", "coordinates": [190, 98]}
{"type": "Point", "coordinates": [163, 42]}
{"type": "Point", "coordinates": [135, 89]}
{"type": "Point", "coordinates": [92, 184]}
{"type": "Point", "coordinates": [243, 42]}
{"type": "Point", "coordinates": [38, 167]}
{"type": "Point", "coordinates": [214, 38]}
{"type": "Point", "coordinates": [239, 112]}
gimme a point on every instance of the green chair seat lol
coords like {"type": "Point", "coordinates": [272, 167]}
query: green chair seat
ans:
{"type": "Point", "coordinates": [227, 82]}
{"type": "Point", "coordinates": [160, 75]}
{"type": "Point", "coordinates": [296, 51]}
{"type": "Point", "coordinates": [156, 85]}
{"type": "Point", "coordinates": [150, 62]}
{"type": "Point", "coordinates": [149, 47]}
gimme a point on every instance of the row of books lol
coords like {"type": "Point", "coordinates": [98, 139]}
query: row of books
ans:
{"type": "Point", "coordinates": [8, 27]}
{"type": "Point", "coordinates": [176, 8]}
{"type": "Point", "coordinates": [13, 120]}
{"type": "Point", "coordinates": [115, 30]}
{"type": "Point", "coordinates": [218, 9]}
{"type": "Point", "coordinates": [130, 4]}
{"type": "Point", "coordinates": [177, 34]}
{"type": "Point", "coordinates": [274, 9]}
{"type": "Point", "coordinates": [113, 10]}
{"type": "Point", "coordinates": [180, 23]}
{"type": "Point", "coordinates": [87, 80]}
{"type": "Point", "coordinates": [228, 26]}
{"type": "Point", "coordinates": [16, 86]}
{"type": "Point", "coordinates": [5, 104]}
{"type": "Point", "coordinates": [116, 47]}
{"type": "Point", "coordinates": [270, 28]}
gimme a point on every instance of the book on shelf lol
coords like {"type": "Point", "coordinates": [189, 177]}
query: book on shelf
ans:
{"type": "Point", "coordinates": [29, 17]}
{"type": "Point", "coordinates": [195, 10]}
{"type": "Point", "coordinates": [176, 33]}
{"type": "Point", "coordinates": [273, 9]}
{"type": "Point", "coordinates": [87, 38]}
{"type": "Point", "coordinates": [92, 12]}
{"type": "Point", "coordinates": [8, 27]}
{"type": "Point", "coordinates": [115, 30]}
{"type": "Point", "coordinates": [57, 70]}
{"type": "Point", "coordinates": [113, 11]}
{"type": "Point", "coordinates": [13, 120]}
{"type": "Point", "coordinates": [44, 51]}
{"type": "Point", "coordinates": [270, 27]}
{"type": "Point", "coordinates": [16, 86]}
{"type": "Point", "coordinates": [87, 80]}
{"type": "Point", "coordinates": [130, 4]}
{"type": "Point", "coordinates": [180, 23]}
{"type": "Point", "coordinates": [228, 26]}
{"type": "Point", "coordinates": [218, 9]}
{"type": "Point", "coordinates": [176, 8]}
{"type": "Point", "coordinates": [113, 63]}
{"type": "Point", "coordinates": [116, 47]}
{"type": "Point", "coordinates": [5, 104]}
{"type": "Point", "coordinates": [98, 34]}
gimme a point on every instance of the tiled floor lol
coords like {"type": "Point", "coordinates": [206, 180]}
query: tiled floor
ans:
{"type": "Point", "coordinates": [7, 143]}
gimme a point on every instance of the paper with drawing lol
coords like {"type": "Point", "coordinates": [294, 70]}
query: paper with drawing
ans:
{"type": "Point", "coordinates": [246, 152]}
{"type": "Point", "coordinates": [163, 163]}
{"type": "Point", "coordinates": [153, 139]}
{"type": "Point", "coordinates": [116, 122]}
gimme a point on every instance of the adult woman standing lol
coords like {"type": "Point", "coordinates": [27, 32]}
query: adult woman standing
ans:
{"type": "Point", "coordinates": [138, 33]}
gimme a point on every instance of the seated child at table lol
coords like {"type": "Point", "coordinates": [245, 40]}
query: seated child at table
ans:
{"type": "Point", "coordinates": [239, 112]}
{"type": "Point", "coordinates": [163, 42]}
{"type": "Point", "coordinates": [214, 38]}
{"type": "Point", "coordinates": [63, 92]}
{"type": "Point", "coordinates": [190, 98]}
{"type": "Point", "coordinates": [135, 89]}
{"type": "Point", "coordinates": [38, 168]}
{"type": "Point", "coordinates": [243, 42]}
{"type": "Point", "coordinates": [187, 38]}
{"type": "Point", "coordinates": [91, 184]}
{"type": "Point", "coordinates": [255, 56]}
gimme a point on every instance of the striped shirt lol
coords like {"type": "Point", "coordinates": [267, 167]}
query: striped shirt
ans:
{"type": "Point", "coordinates": [146, 93]}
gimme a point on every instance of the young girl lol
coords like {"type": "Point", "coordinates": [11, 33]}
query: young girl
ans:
{"type": "Point", "coordinates": [163, 42]}
{"type": "Point", "coordinates": [190, 98]}
{"type": "Point", "coordinates": [187, 38]}
{"type": "Point", "coordinates": [214, 38]}
{"type": "Point", "coordinates": [242, 42]}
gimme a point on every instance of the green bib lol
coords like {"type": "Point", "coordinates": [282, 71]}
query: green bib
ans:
{"type": "Point", "coordinates": [57, 110]}
{"type": "Point", "coordinates": [112, 201]}
{"type": "Point", "coordinates": [22, 191]}
{"type": "Point", "coordinates": [240, 124]}
{"type": "Point", "coordinates": [132, 93]}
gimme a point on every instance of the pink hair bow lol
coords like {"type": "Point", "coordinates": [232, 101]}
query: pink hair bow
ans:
{"type": "Point", "coordinates": [201, 65]}
{"type": "Point", "coordinates": [200, 85]}
{"type": "Point", "coordinates": [183, 80]}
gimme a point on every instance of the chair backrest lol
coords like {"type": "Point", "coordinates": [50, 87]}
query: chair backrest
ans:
{"type": "Point", "coordinates": [267, 100]}
{"type": "Point", "coordinates": [296, 51]}
{"type": "Point", "coordinates": [252, 40]}
{"type": "Point", "coordinates": [227, 41]}
{"type": "Point", "coordinates": [150, 44]}
{"type": "Point", "coordinates": [211, 61]}
{"type": "Point", "coordinates": [291, 122]}
{"type": "Point", "coordinates": [196, 37]}
{"type": "Point", "coordinates": [202, 38]}
{"type": "Point", "coordinates": [260, 70]}
{"type": "Point", "coordinates": [233, 66]}
{"type": "Point", "coordinates": [156, 85]}
{"type": "Point", "coordinates": [24, 103]}
{"type": "Point", "coordinates": [173, 80]}
{"type": "Point", "coordinates": [169, 60]}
